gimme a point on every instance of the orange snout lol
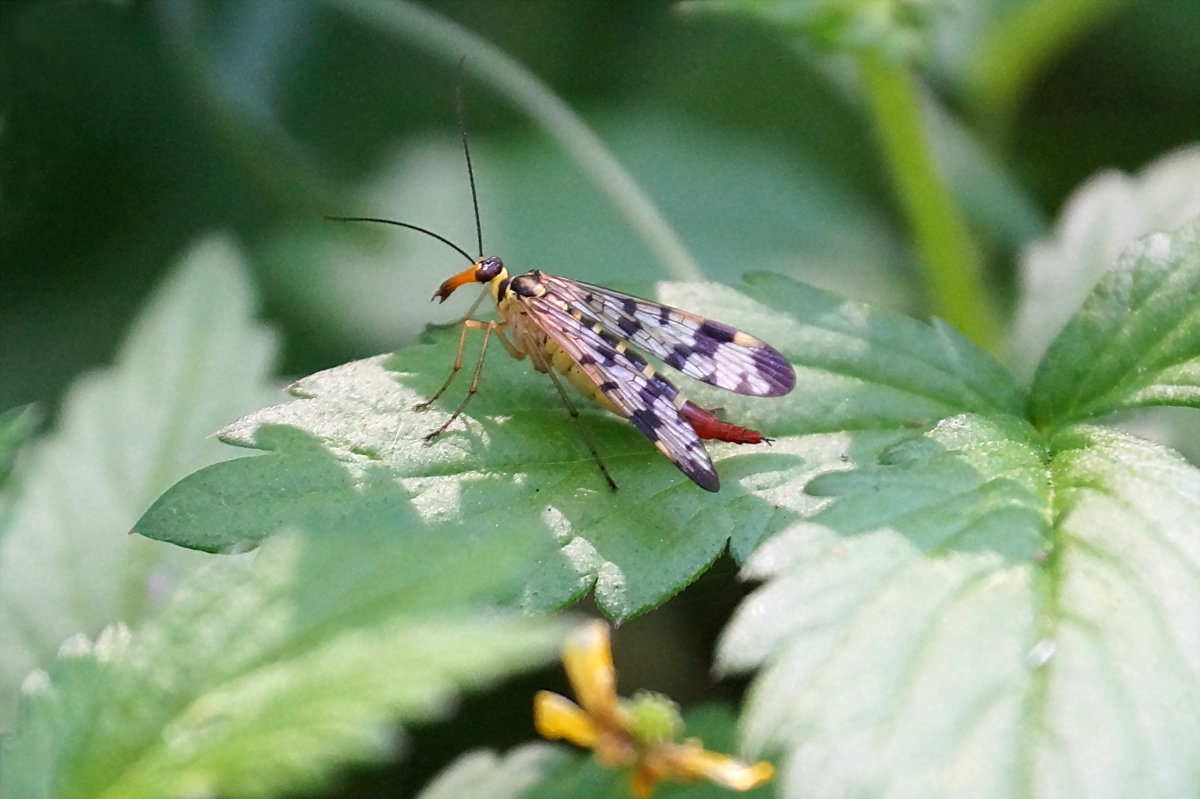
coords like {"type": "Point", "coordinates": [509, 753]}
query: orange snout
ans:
{"type": "Point", "coordinates": [451, 283]}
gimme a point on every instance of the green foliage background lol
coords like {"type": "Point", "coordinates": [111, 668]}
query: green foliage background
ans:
{"type": "Point", "coordinates": [165, 170]}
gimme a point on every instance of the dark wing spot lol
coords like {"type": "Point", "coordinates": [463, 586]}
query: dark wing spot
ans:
{"type": "Point", "coordinates": [706, 346]}
{"type": "Point", "coordinates": [629, 305]}
{"type": "Point", "coordinates": [658, 386]}
{"type": "Point", "coordinates": [646, 421]}
{"type": "Point", "coordinates": [607, 386]}
{"type": "Point", "coordinates": [716, 330]}
{"type": "Point", "coordinates": [776, 370]}
{"type": "Point", "coordinates": [636, 360]}
{"type": "Point", "coordinates": [677, 356]}
{"type": "Point", "coordinates": [628, 325]}
{"type": "Point", "coordinates": [703, 476]}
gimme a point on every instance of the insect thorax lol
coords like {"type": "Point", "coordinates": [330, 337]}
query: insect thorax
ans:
{"type": "Point", "coordinates": [509, 291]}
{"type": "Point", "coordinates": [528, 284]}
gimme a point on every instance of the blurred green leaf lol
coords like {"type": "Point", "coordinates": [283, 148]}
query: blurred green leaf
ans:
{"type": "Point", "coordinates": [67, 565]}
{"type": "Point", "coordinates": [17, 426]}
{"type": "Point", "coordinates": [264, 677]}
{"type": "Point", "coordinates": [1023, 624]}
{"type": "Point", "coordinates": [1135, 342]}
{"type": "Point", "coordinates": [1013, 49]}
{"type": "Point", "coordinates": [1002, 213]}
{"type": "Point", "coordinates": [894, 29]}
{"type": "Point", "coordinates": [508, 776]}
{"type": "Point", "coordinates": [517, 463]}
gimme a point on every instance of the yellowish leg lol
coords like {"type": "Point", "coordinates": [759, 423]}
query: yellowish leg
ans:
{"type": "Point", "coordinates": [574, 413]}
{"type": "Point", "coordinates": [518, 354]}
{"type": "Point", "coordinates": [458, 358]}
{"type": "Point", "coordinates": [488, 328]}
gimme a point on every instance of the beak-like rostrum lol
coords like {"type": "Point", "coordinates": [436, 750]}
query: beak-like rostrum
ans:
{"type": "Point", "coordinates": [451, 283]}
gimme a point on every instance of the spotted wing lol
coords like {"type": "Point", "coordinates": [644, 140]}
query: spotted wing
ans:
{"type": "Point", "coordinates": [644, 397]}
{"type": "Point", "coordinates": [716, 353]}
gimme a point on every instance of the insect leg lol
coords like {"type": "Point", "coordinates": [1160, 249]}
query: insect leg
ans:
{"type": "Point", "coordinates": [574, 413]}
{"type": "Point", "coordinates": [458, 359]}
{"type": "Point", "coordinates": [488, 328]}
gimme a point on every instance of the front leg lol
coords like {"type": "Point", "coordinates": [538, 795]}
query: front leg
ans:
{"type": "Point", "coordinates": [467, 324]}
{"type": "Point", "coordinates": [488, 329]}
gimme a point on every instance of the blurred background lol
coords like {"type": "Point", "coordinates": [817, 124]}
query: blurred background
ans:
{"type": "Point", "coordinates": [129, 130]}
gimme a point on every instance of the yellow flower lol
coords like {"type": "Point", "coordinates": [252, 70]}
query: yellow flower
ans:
{"type": "Point", "coordinates": [641, 733]}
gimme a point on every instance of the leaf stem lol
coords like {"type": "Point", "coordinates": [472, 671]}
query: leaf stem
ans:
{"type": "Point", "coordinates": [950, 261]}
{"type": "Point", "coordinates": [492, 66]}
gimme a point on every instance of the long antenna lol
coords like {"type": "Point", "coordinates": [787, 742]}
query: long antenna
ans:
{"type": "Point", "coordinates": [417, 228]}
{"type": "Point", "coordinates": [462, 125]}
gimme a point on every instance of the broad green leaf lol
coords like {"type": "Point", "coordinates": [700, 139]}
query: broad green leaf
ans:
{"type": "Point", "coordinates": [1098, 223]}
{"type": "Point", "coordinates": [978, 614]}
{"type": "Point", "coordinates": [1135, 342]}
{"type": "Point", "coordinates": [193, 358]}
{"type": "Point", "coordinates": [267, 676]}
{"type": "Point", "coordinates": [516, 462]}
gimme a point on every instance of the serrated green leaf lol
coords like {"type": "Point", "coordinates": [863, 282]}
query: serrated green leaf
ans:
{"type": "Point", "coordinates": [1135, 342]}
{"type": "Point", "coordinates": [950, 490]}
{"type": "Point", "coordinates": [1098, 223]}
{"type": "Point", "coordinates": [1043, 645]}
{"type": "Point", "coordinates": [270, 675]}
{"type": "Point", "coordinates": [516, 462]}
{"type": "Point", "coordinates": [67, 564]}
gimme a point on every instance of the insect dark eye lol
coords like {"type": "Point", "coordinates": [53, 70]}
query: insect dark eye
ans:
{"type": "Point", "coordinates": [488, 269]}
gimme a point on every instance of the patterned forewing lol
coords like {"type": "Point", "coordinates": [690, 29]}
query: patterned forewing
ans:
{"type": "Point", "coordinates": [716, 353]}
{"type": "Point", "coordinates": [643, 396]}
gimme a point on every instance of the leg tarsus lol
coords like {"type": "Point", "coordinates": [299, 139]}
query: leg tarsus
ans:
{"type": "Point", "coordinates": [467, 324]}
{"type": "Point", "coordinates": [574, 414]}
{"type": "Point", "coordinates": [488, 327]}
